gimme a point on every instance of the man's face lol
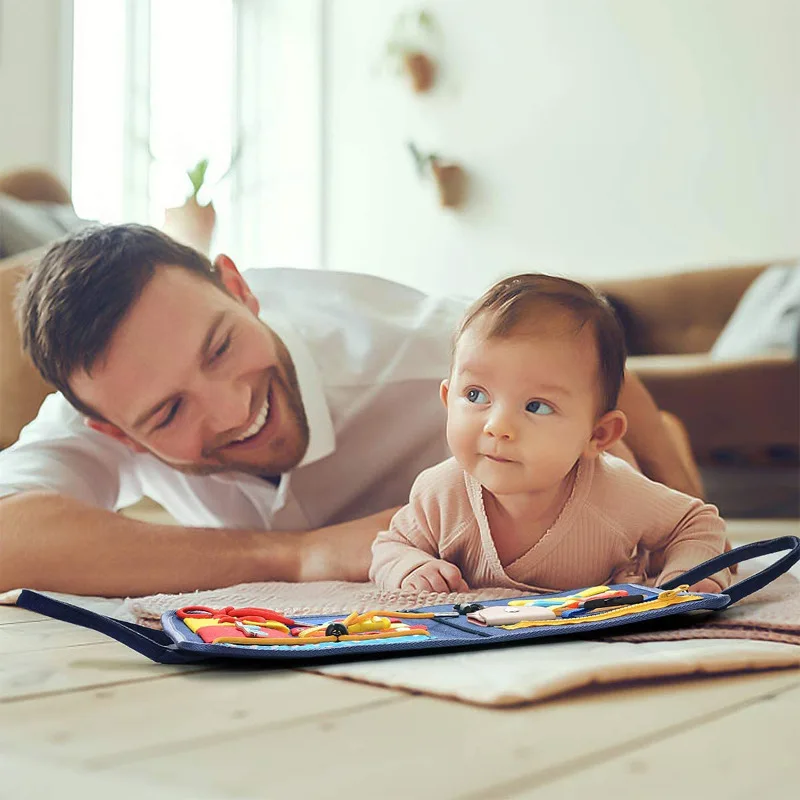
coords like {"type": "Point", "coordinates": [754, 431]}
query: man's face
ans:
{"type": "Point", "coordinates": [195, 378]}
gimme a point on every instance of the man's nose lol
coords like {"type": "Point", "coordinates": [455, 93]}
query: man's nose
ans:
{"type": "Point", "coordinates": [227, 408]}
{"type": "Point", "coordinates": [499, 424]}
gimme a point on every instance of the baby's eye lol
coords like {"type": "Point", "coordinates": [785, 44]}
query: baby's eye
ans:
{"type": "Point", "coordinates": [476, 396]}
{"type": "Point", "coordinates": [538, 407]}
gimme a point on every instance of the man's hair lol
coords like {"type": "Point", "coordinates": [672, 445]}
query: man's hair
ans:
{"type": "Point", "coordinates": [72, 302]}
{"type": "Point", "coordinates": [523, 300]}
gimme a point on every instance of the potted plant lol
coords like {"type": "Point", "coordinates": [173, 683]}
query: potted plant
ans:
{"type": "Point", "coordinates": [193, 223]}
{"type": "Point", "coordinates": [412, 36]}
{"type": "Point", "coordinates": [451, 179]}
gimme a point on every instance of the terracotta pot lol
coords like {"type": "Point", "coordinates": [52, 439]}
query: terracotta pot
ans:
{"type": "Point", "coordinates": [452, 182]}
{"type": "Point", "coordinates": [192, 224]}
{"type": "Point", "coordinates": [421, 69]}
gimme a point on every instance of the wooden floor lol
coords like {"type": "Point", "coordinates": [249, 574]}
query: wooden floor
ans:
{"type": "Point", "coordinates": [84, 717]}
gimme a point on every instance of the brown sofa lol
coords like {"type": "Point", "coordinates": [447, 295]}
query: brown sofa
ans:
{"type": "Point", "coordinates": [734, 411]}
{"type": "Point", "coordinates": [748, 408]}
{"type": "Point", "coordinates": [21, 388]}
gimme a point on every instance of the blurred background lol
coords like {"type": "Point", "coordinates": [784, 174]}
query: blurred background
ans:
{"type": "Point", "coordinates": [650, 147]}
{"type": "Point", "coordinates": [601, 138]}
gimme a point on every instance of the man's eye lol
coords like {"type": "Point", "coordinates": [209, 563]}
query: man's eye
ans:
{"type": "Point", "coordinates": [173, 410]}
{"type": "Point", "coordinates": [221, 350]}
{"type": "Point", "coordinates": [538, 407]}
{"type": "Point", "coordinates": [476, 396]}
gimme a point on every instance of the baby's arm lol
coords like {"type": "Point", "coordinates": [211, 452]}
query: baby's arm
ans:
{"type": "Point", "coordinates": [400, 550]}
{"type": "Point", "coordinates": [406, 555]}
{"type": "Point", "coordinates": [698, 535]}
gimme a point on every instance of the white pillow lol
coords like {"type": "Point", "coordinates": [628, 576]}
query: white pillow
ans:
{"type": "Point", "coordinates": [24, 226]}
{"type": "Point", "coordinates": [766, 320]}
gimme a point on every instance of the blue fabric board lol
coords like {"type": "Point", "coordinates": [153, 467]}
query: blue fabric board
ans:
{"type": "Point", "coordinates": [445, 633]}
{"type": "Point", "coordinates": [177, 644]}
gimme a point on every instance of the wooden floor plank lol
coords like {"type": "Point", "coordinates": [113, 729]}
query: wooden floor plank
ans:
{"type": "Point", "coordinates": [10, 615]}
{"type": "Point", "coordinates": [181, 714]}
{"type": "Point", "coordinates": [92, 718]}
{"type": "Point", "coordinates": [47, 634]}
{"type": "Point", "coordinates": [392, 750]}
{"type": "Point", "coordinates": [67, 669]}
{"type": "Point", "coordinates": [27, 778]}
{"type": "Point", "coordinates": [41, 656]}
{"type": "Point", "coordinates": [750, 751]}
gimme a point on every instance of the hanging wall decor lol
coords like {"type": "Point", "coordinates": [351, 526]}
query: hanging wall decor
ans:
{"type": "Point", "coordinates": [414, 36]}
{"type": "Point", "coordinates": [451, 179]}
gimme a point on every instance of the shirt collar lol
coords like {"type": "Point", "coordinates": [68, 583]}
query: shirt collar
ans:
{"type": "Point", "coordinates": [321, 435]}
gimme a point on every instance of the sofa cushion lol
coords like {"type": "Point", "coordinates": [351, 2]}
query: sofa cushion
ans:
{"type": "Point", "coordinates": [21, 387]}
{"type": "Point", "coordinates": [767, 318]}
{"type": "Point", "coordinates": [25, 226]}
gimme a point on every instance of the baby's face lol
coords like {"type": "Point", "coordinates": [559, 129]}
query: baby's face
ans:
{"type": "Point", "coordinates": [521, 410]}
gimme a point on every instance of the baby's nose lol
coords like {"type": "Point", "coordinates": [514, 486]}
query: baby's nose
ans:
{"type": "Point", "coordinates": [499, 426]}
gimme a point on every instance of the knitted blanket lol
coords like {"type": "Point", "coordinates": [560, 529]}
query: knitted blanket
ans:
{"type": "Point", "coordinates": [773, 614]}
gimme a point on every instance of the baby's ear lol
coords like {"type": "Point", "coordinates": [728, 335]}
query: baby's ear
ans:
{"type": "Point", "coordinates": [610, 428]}
{"type": "Point", "coordinates": [444, 389]}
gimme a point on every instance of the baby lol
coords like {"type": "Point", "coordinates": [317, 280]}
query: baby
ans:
{"type": "Point", "coordinates": [532, 498]}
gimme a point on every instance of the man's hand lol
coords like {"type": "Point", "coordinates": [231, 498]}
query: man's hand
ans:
{"type": "Point", "coordinates": [435, 576]}
{"type": "Point", "coordinates": [340, 552]}
{"type": "Point", "coordinates": [706, 585]}
{"type": "Point", "coordinates": [57, 543]}
{"type": "Point", "coordinates": [658, 440]}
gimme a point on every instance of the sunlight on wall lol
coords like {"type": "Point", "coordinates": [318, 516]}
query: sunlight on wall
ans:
{"type": "Point", "coordinates": [153, 94]}
{"type": "Point", "coordinates": [98, 109]}
{"type": "Point", "coordinates": [160, 85]}
{"type": "Point", "coordinates": [191, 101]}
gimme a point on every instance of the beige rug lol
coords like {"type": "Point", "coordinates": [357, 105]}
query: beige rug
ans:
{"type": "Point", "coordinates": [760, 632]}
{"type": "Point", "coordinates": [297, 599]}
{"type": "Point", "coordinates": [772, 614]}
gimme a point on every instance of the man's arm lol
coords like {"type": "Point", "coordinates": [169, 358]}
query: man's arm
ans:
{"type": "Point", "coordinates": [659, 452]}
{"type": "Point", "coordinates": [56, 543]}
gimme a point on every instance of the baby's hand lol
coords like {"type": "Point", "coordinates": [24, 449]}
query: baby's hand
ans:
{"type": "Point", "coordinates": [435, 576]}
{"type": "Point", "coordinates": [706, 585]}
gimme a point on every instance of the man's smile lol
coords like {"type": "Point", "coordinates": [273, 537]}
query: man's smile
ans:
{"type": "Point", "coordinates": [257, 424]}
{"type": "Point", "coordinates": [260, 428]}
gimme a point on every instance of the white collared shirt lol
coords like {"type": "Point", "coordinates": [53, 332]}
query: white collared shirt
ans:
{"type": "Point", "coordinates": [369, 355]}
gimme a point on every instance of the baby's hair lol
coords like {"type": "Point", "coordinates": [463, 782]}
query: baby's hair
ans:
{"type": "Point", "coordinates": [523, 300]}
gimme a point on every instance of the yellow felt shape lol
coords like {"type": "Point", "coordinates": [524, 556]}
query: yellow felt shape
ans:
{"type": "Point", "coordinates": [371, 624]}
{"type": "Point", "coordinates": [195, 623]}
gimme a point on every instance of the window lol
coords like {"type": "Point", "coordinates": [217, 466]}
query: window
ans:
{"type": "Point", "coordinates": [98, 109]}
{"type": "Point", "coordinates": [157, 86]}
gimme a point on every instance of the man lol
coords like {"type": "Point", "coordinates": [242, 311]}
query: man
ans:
{"type": "Point", "coordinates": [280, 420]}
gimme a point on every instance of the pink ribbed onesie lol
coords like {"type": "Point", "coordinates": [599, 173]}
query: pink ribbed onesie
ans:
{"type": "Point", "coordinates": [617, 526]}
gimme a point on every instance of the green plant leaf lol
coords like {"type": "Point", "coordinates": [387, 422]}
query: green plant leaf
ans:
{"type": "Point", "coordinates": [197, 175]}
{"type": "Point", "coordinates": [420, 159]}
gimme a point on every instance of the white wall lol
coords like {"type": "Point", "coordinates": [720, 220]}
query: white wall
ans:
{"type": "Point", "coordinates": [604, 138]}
{"type": "Point", "coordinates": [34, 77]}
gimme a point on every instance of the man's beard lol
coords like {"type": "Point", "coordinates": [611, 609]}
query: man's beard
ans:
{"type": "Point", "coordinates": [286, 379]}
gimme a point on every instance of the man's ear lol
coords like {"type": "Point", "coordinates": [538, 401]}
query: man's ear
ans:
{"type": "Point", "coordinates": [234, 282]}
{"type": "Point", "coordinates": [444, 389]}
{"type": "Point", "coordinates": [115, 433]}
{"type": "Point", "coordinates": [610, 428]}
